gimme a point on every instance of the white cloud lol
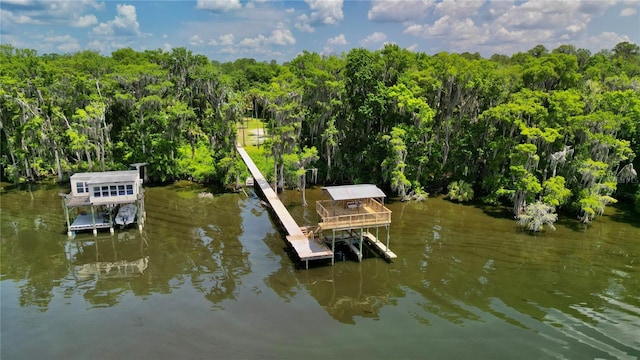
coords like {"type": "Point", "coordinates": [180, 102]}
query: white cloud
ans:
{"type": "Point", "coordinates": [58, 38]}
{"type": "Point", "coordinates": [508, 26]}
{"type": "Point", "coordinates": [8, 17]}
{"type": "Point", "coordinates": [327, 50]}
{"type": "Point", "coordinates": [278, 37]}
{"type": "Point", "coordinates": [125, 23]}
{"type": "Point", "coordinates": [577, 27]}
{"type": "Point", "coordinates": [228, 50]}
{"type": "Point", "coordinates": [97, 45]}
{"type": "Point", "coordinates": [304, 24]}
{"type": "Point", "coordinates": [69, 47]}
{"type": "Point", "coordinates": [226, 39]}
{"type": "Point", "coordinates": [219, 5]}
{"type": "Point", "coordinates": [282, 37]}
{"type": "Point", "coordinates": [84, 21]}
{"type": "Point", "coordinates": [376, 37]}
{"type": "Point", "coordinates": [67, 12]}
{"type": "Point", "coordinates": [398, 10]}
{"type": "Point", "coordinates": [327, 12]}
{"type": "Point", "coordinates": [17, 2]}
{"type": "Point", "coordinates": [337, 40]}
{"type": "Point", "coordinates": [458, 9]}
{"type": "Point", "coordinates": [605, 40]}
{"type": "Point", "coordinates": [538, 14]}
{"type": "Point", "coordinates": [413, 47]}
{"type": "Point", "coordinates": [456, 30]}
{"type": "Point", "coordinates": [323, 12]}
{"type": "Point", "coordinates": [628, 12]}
{"type": "Point", "coordinates": [222, 40]}
{"type": "Point", "coordinates": [196, 41]}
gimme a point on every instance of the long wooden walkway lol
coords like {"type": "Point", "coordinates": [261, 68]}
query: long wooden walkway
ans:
{"type": "Point", "coordinates": [306, 248]}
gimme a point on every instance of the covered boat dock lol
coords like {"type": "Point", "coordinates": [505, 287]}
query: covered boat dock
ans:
{"type": "Point", "coordinates": [96, 196]}
{"type": "Point", "coordinates": [355, 211]}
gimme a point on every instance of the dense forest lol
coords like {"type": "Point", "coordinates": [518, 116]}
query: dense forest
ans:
{"type": "Point", "coordinates": [559, 128]}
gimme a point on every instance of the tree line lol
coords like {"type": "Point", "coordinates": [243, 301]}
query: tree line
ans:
{"type": "Point", "coordinates": [559, 128]}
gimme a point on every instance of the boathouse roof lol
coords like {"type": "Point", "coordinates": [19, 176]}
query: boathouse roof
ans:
{"type": "Point", "coordinates": [354, 192]}
{"type": "Point", "coordinates": [106, 177]}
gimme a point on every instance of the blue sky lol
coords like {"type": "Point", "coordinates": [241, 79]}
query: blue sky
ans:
{"type": "Point", "coordinates": [265, 30]}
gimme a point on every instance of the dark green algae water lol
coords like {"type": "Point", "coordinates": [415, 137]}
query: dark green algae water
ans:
{"type": "Point", "coordinates": [213, 280]}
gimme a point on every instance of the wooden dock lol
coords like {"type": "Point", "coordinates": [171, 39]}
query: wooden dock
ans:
{"type": "Point", "coordinates": [307, 248]}
{"type": "Point", "coordinates": [386, 252]}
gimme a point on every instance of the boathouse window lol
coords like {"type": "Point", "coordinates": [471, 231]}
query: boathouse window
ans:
{"type": "Point", "coordinates": [112, 190]}
{"type": "Point", "coordinates": [82, 187]}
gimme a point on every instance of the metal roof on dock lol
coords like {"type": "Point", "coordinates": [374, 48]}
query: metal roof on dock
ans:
{"type": "Point", "coordinates": [354, 192]}
{"type": "Point", "coordinates": [106, 177]}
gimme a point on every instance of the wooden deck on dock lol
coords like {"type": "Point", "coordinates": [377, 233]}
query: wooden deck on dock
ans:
{"type": "Point", "coordinates": [344, 218]}
{"type": "Point", "coordinates": [388, 254]}
{"type": "Point", "coordinates": [85, 222]}
{"type": "Point", "coordinates": [306, 248]}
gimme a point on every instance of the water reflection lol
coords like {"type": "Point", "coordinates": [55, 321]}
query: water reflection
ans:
{"type": "Point", "coordinates": [584, 284]}
{"type": "Point", "coordinates": [103, 269]}
{"type": "Point", "coordinates": [348, 290]}
{"type": "Point", "coordinates": [93, 258]}
{"type": "Point", "coordinates": [355, 290]}
{"type": "Point", "coordinates": [462, 267]}
{"type": "Point", "coordinates": [461, 278]}
{"type": "Point", "coordinates": [198, 242]}
{"type": "Point", "coordinates": [186, 240]}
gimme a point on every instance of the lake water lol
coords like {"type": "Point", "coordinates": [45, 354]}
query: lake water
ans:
{"type": "Point", "coordinates": [211, 278]}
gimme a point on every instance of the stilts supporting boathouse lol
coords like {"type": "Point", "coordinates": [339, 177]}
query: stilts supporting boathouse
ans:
{"type": "Point", "coordinates": [352, 212]}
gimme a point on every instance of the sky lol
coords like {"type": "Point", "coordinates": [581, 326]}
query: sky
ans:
{"type": "Point", "coordinates": [265, 30]}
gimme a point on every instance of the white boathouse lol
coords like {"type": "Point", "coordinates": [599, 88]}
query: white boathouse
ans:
{"type": "Point", "coordinates": [95, 197]}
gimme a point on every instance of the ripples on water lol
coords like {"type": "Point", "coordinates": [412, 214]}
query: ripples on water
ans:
{"type": "Point", "coordinates": [211, 277]}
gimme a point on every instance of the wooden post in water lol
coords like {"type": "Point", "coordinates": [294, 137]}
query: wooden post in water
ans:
{"type": "Point", "coordinates": [66, 213]}
{"type": "Point", "coordinates": [361, 240]}
{"type": "Point", "coordinates": [387, 237]}
{"type": "Point", "coordinates": [333, 246]}
{"type": "Point", "coordinates": [140, 210]}
{"type": "Point", "coordinates": [111, 230]}
{"type": "Point", "coordinates": [93, 221]}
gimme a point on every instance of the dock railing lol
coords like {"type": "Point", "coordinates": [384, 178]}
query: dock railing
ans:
{"type": "Point", "coordinates": [372, 213]}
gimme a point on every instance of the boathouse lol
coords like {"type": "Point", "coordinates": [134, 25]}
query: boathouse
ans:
{"type": "Point", "coordinates": [95, 198]}
{"type": "Point", "coordinates": [352, 214]}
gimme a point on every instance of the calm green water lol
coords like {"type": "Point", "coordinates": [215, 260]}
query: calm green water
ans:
{"type": "Point", "coordinates": [210, 278]}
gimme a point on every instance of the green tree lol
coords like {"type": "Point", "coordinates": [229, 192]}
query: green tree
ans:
{"type": "Point", "coordinates": [460, 191]}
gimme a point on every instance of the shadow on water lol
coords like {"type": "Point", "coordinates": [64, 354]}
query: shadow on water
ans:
{"type": "Point", "coordinates": [626, 214]}
{"type": "Point", "coordinates": [571, 223]}
{"type": "Point", "coordinates": [495, 211]}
